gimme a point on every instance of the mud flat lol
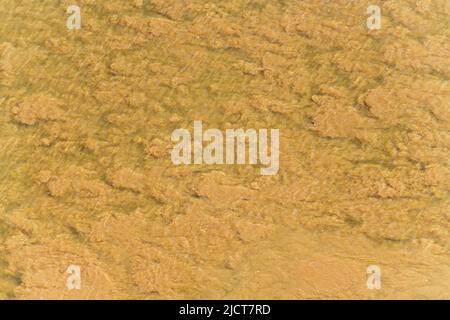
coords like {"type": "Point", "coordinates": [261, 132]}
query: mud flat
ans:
{"type": "Point", "coordinates": [87, 179]}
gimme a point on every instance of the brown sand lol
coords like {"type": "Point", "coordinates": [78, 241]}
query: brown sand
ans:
{"type": "Point", "coordinates": [86, 177]}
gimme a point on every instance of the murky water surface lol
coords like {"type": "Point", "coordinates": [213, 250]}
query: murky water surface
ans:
{"type": "Point", "coordinates": [86, 176]}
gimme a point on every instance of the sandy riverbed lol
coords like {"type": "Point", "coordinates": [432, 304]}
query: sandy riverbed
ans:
{"type": "Point", "coordinates": [86, 176]}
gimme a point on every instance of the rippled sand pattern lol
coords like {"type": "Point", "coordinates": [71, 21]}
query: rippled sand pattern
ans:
{"type": "Point", "coordinates": [86, 176]}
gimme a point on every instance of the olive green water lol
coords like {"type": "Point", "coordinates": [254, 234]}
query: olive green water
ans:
{"type": "Point", "coordinates": [86, 176]}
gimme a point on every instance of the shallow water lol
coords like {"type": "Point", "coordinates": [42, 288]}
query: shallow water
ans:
{"type": "Point", "coordinates": [86, 176]}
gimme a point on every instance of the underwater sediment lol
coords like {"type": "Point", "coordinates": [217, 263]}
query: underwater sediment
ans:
{"type": "Point", "coordinates": [86, 176]}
